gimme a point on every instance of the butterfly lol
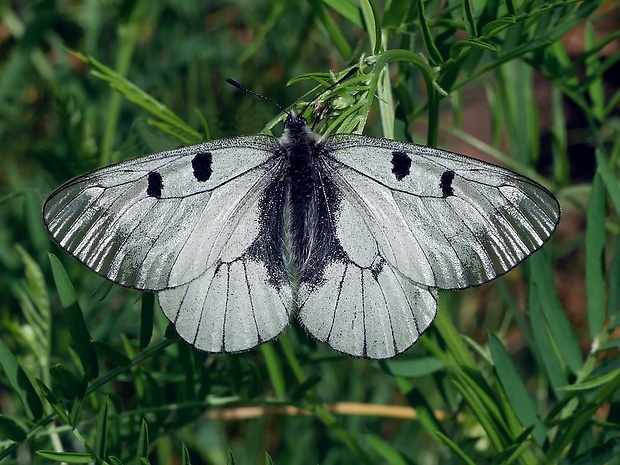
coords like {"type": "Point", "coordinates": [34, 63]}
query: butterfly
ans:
{"type": "Point", "coordinates": [353, 235]}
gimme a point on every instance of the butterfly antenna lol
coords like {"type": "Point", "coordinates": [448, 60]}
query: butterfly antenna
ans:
{"type": "Point", "coordinates": [351, 72]}
{"type": "Point", "coordinates": [234, 83]}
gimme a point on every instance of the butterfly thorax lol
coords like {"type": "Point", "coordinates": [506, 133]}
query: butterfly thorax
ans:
{"type": "Point", "coordinates": [305, 216]}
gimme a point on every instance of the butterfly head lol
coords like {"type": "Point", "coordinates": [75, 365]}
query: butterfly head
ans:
{"type": "Point", "coordinates": [296, 130]}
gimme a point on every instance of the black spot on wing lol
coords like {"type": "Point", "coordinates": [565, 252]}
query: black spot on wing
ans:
{"type": "Point", "coordinates": [201, 164]}
{"type": "Point", "coordinates": [155, 184]}
{"type": "Point", "coordinates": [446, 183]}
{"type": "Point", "coordinates": [401, 164]}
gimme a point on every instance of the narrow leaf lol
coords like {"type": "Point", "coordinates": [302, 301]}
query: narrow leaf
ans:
{"type": "Point", "coordinates": [20, 383]}
{"type": "Point", "coordinates": [427, 37]}
{"type": "Point", "coordinates": [143, 442]}
{"type": "Point", "coordinates": [595, 258]}
{"type": "Point", "coordinates": [74, 318]}
{"type": "Point", "coordinates": [101, 434]}
{"type": "Point", "coordinates": [515, 390]}
{"type": "Point", "coordinates": [461, 454]}
{"type": "Point", "coordinates": [555, 316]}
{"type": "Point", "coordinates": [12, 430]}
{"type": "Point", "coordinates": [69, 457]}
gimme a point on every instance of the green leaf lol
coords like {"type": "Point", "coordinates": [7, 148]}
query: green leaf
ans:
{"type": "Point", "coordinates": [301, 390]}
{"type": "Point", "coordinates": [12, 430]}
{"type": "Point", "coordinates": [147, 311]}
{"type": "Point", "coordinates": [20, 382]}
{"type": "Point", "coordinates": [142, 450]}
{"type": "Point", "coordinates": [427, 36]}
{"type": "Point", "coordinates": [462, 46]}
{"type": "Point", "coordinates": [613, 303]}
{"type": "Point", "coordinates": [600, 454]}
{"type": "Point", "coordinates": [35, 304]}
{"type": "Point", "coordinates": [596, 90]}
{"type": "Point", "coordinates": [545, 347]}
{"type": "Point", "coordinates": [115, 356]}
{"type": "Point", "coordinates": [51, 399]}
{"type": "Point", "coordinates": [595, 258]}
{"type": "Point", "coordinates": [74, 318]}
{"type": "Point", "coordinates": [604, 170]}
{"type": "Point", "coordinates": [495, 26]}
{"type": "Point", "coordinates": [593, 382]}
{"type": "Point", "coordinates": [422, 407]}
{"type": "Point", "coordinates": [515, 390]}
{"type": "Point", "coordinates": [185, 460]}
{"type": "Point", "coordinates": [64, 381]}
{"type": "Point", "coordinates": [478, 408]}
{"type": "Point", "coordinates": [373, 24]}
{"type": "Point", "coordinates": [268, 459]}
{"type": "Point", "coordinates": [470, 22]}
{"type": "Point", "coordinates": [69, 457]}
{"type": "Point", "coordinates": [347, 9]}
{"type": "Point", "coordinates": [413, 368]}
{"type": "Point", "coordinates": [336, 36]}
{"type": "Point", "coordinates": [396, 14]}
{"type": "Point", "coordinates": [461, 454]}
{"type": "Point", "coordinates": [101, 433]}
{"type": "Point", "coordinates": [274, 368]}
{"type": "Point", "coordinates": [385, 450]}
{"type": "Point", "coordinates": [558, 325]}
{"type": "Point", "coordinates": [177, 127]}
{"type": "Point", "coordinates": [231, 458]}
{"type": "Point", "coordinates": [578, 422]}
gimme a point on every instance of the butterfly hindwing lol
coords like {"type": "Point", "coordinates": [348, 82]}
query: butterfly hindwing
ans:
{"type": "Point", "coordinates": [364, 306]}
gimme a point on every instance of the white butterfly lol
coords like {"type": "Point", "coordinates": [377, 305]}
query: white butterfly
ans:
{"type": "Point", "coordinates": [352, 234]}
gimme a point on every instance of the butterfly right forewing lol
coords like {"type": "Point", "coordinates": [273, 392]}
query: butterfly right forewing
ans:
{"type": "Point", "coordinates": [442, 219]}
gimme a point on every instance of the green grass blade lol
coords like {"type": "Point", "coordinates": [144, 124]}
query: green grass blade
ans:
{"type": "Point", "coordinates": [595, 258]}
{"type": "Point", "coordinates": [74, 318]}
{"type": "Point", "coordinates": [515, 390]}
{"type": "Point", "coordinates": [20, 383]}
{"type": "Point", "coordinates": [557, 323]}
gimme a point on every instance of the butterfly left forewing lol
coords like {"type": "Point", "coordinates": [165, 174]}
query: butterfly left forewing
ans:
{"type": "Point", "coordinates": [142, 222]}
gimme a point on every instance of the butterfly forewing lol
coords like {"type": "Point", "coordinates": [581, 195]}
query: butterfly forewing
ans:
{"type": "Point", "coordinates": [441, 219]}
{"type": "Point", "coordinates": [143, 223]}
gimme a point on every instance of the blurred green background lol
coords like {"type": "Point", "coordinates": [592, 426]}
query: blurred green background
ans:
{"type": "Point", "coordinates": [524, 370]}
